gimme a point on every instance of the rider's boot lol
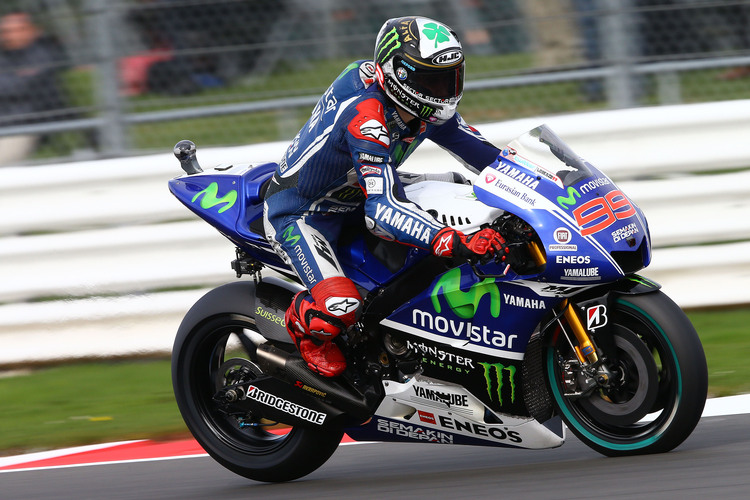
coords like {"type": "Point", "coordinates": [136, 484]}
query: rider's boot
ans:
{"type": "Point", "coordinates": [313, 324]}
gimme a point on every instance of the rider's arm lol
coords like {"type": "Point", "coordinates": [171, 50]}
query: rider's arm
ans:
{"type": "Point", "coordinates": [388, 213]}
{"type": "Point", "coordinates": [465, 143]}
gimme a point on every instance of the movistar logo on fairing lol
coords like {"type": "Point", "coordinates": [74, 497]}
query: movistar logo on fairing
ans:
{"type": "Point", "coordinates": [570, 200]}
{"type": "Point", "coordinates": [465, 304]}
{"type": "Point", "coordinates": [210, 198]}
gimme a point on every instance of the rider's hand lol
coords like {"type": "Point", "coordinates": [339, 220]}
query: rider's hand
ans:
{"type": "Point", "coordinates": [483, 244]}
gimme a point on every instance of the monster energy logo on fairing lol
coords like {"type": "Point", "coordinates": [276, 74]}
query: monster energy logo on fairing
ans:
{"type": "Point", "coordinates": [389, 42]}
{"type": "Point", "coordinates": [210, 200]}
{"type": "Point", "coordinates": [498, 369]}
{"type": "Point", "coordinates": [465, 304]}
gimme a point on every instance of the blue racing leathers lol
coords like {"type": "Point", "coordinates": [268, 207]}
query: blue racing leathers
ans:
{"type": "Point", "coordinates": [346, 156]}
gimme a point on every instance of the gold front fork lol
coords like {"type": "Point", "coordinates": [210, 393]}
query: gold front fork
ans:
{"type": "Point", "coordinates": [585, 349]}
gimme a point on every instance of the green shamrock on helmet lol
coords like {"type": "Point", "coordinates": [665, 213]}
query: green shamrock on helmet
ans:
{"type": "Point", "coordinates": [436, 32]}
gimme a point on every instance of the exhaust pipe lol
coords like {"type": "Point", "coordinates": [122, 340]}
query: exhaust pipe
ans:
{"type": "Point", "coordinates": [293, 370]}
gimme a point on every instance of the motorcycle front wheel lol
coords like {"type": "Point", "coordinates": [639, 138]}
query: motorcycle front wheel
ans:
{"type": "Point", "coordinates": [659, 387]}
{"type": "Point", "coordinates": [209, 356]}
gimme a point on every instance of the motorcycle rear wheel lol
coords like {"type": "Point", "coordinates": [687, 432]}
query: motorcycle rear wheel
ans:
{"type": "Point", "coordinates": [207, 356]}
{"type": "Point", "coordinates": [662, 377]}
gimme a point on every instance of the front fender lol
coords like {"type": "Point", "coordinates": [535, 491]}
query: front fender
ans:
{"type": "Point", "coordinates": [594, 306]}
{"type": "Point", "coordinates": [632, 284]}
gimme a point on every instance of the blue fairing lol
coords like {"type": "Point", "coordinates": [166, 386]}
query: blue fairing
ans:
{"type": "Point", "coordinates": [589, 232]}
{"type": "Point", "coordinates": [230, 199]}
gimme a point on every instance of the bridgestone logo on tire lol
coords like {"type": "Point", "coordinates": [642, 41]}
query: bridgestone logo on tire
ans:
{"type": "Point", "coordinates": [293, 409]}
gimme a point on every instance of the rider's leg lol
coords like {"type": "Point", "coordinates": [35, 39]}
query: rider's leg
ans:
{"type": "Point", "coordinates": [315, 319]}
{"type": "Point", "coordinates": [333, 304]}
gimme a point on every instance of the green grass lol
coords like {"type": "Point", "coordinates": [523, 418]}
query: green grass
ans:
{"type": "Point", "coordinates": [110, 401]}
{"type": "Point", "coordinates": [87, 403]}
{"type": "Point", "coordinates": [725, 335]}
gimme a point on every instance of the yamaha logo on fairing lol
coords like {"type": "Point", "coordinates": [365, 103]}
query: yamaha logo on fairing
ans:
{"type": "Point", "coordinates": [515, 300]}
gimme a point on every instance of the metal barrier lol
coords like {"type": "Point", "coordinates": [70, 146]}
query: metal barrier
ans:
{"type": "Point", "coordinates": [92, 250]}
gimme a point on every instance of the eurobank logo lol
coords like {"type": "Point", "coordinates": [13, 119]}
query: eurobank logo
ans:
{"type": "Point", "coordinates": [210, 198]}
{"type": "Point", "coordinates": [465, 304]}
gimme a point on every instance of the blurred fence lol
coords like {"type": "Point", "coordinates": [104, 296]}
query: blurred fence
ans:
{"type": "Point", "coordinates": [115, 77]}
{"type": "Point", "coordinates": [105, 262]}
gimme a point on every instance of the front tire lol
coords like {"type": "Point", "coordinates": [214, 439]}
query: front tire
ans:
{"type": "Point", "coordinates": [206, 357]}
{"type": "Point", "coordinates": [662, 377]}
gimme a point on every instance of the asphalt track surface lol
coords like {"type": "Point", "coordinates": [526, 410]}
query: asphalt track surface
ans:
{"type": "Point", "coordinates": [714, 463]}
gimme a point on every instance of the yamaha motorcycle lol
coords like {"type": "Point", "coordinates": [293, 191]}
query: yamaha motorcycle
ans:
{"type": "Point", "coordinates": [479, 353]}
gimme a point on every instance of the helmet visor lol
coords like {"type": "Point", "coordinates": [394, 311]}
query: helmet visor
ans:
{"type": "Point", "coordinates": [442, 84]}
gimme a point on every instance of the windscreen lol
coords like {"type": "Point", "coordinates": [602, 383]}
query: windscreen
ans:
{"type": "Point", "coordinates": [544, 149]}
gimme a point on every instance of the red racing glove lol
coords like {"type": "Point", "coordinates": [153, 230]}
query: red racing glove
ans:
{"type": "Point", "coordinates": [484, 244]}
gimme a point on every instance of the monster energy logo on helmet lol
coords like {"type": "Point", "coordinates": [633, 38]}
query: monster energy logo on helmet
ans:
{"type": "Point", "coordinates": [387, 44]}
{"type": "Point", "coordinates": [425, 111]}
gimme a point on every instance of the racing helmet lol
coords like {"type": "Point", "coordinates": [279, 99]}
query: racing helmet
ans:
{"type": "Point", "coordinates": [419, 64]}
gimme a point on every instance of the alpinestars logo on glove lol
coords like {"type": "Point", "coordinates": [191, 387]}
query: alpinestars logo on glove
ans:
{"type": "Point", "coordinates": [339, 306]}
{"type": "Point", "coordinates": [444, 245]}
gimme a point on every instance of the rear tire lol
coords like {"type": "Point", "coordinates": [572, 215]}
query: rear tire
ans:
{"type": "Point", "coordinates": [664, 375]}
{"type": "Point", "coordinates": [206, 356]}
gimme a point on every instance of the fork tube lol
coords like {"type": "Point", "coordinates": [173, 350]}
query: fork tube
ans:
{"type": "Point", "coordinates": [537, 254]}
{"type": "Point", "coordinates": [586, 347]}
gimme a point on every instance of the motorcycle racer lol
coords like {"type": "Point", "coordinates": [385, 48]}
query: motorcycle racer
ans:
{"type": "Point", "coordinates": [366, 124]}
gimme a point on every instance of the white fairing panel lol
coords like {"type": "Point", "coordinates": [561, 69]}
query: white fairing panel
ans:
{"type": "Point", "coordinates": [455, 204]}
